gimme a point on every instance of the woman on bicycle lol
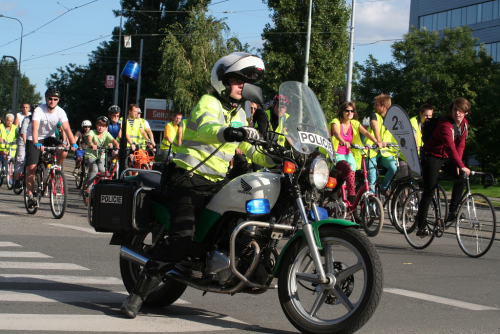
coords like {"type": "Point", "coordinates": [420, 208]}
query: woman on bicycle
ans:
{"type": "Point", "coordinates": [444, 150]}
{"type": "Point", "coordinates": [99, 137]}
{"type": "Point", "coordinates": [346, 129]}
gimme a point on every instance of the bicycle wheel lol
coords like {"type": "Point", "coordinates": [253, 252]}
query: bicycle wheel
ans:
{"type": "Point", "coordinates": [36, 194]}
{"type": "Point", "coordinates": [442, 201]}
{"type": "Point", "coordinates": [476, 225]}
{"type": "Point", "coordinates": [2, 173]}
{"type": "Point", "coordinates": [9, 177]}
{"type": "Point", "coordinates": [410, 224]}
{"type": "Point", "coordinates": [58, 194]}
{"type": "Point", "coordinates": [397, 203]}
{"type": "Point", "coordinates": [372, 215]}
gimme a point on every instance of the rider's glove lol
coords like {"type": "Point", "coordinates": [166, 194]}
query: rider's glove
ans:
{"type": "Point", "coordinates": [38, 145]}
{"type": "Point", "coordinates": [75, 146]}
{"type": "Point", "coordinates": [240, 134]}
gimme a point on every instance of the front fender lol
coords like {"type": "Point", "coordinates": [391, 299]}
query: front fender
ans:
{"type": "Point", "coordinates": [297, 237]}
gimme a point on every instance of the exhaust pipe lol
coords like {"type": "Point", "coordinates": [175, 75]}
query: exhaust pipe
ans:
{"type": "Point", "coordinates": [136, 257]}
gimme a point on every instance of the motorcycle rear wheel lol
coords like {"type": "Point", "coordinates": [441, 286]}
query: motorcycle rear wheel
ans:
{"type": "Point", "coordinates": [314, 308]}
{"type": "Point", "coordinates": [165, 294]}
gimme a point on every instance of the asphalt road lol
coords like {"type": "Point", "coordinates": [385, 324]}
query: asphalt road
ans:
{"type": "Point", "coordinates": [61, 276]}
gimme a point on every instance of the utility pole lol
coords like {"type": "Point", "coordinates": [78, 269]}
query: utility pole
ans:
{"type": "Point", "coordinates": [118, 60]}
{"type": "Point", "coordinates": [14, 87]}
{"type": "Point", "coordinates": [349, 64]}
{"type": "Point", "coordinates": [14, 107]}
{"type": "Point", "coordinates": [140, 76]}
{"type": "Point", "coordinates": [308, 44]}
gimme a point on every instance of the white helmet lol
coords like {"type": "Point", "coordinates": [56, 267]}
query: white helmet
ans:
{"type": "Point", "coordinates": [86, 123]}
{"type": "Point", "coordinates": [240, 65]}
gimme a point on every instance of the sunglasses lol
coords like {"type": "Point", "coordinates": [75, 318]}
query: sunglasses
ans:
{"type": "Point", "coordinates": [349, 111]}
{"type": "Point", "coordinates": [52, 99]}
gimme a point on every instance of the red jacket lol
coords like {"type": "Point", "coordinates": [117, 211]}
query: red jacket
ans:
{"type": "Point", "coordinates": [442, 145]}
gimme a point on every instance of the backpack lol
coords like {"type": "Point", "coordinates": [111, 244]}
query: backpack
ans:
{"type": "Point", "coordinates": [431, 124]}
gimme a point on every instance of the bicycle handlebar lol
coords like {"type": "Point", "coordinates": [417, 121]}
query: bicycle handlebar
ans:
{"type": "Point", "coordinates": [56, 148]}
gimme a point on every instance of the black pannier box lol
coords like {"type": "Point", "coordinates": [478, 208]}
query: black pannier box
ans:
{"type": "Point", "coordinates": [112, 202]}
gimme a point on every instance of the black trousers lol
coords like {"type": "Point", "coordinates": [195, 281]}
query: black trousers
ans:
{"type": "Point", "coordinates": [430, 172]}
{"type": "Point", "coordinates": [187, 196]}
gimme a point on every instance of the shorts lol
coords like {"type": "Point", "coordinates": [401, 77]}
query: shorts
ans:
{"type": "Point", "coordinates": [33, 154]}
{"type": "Point", "coordinates": [79, 153]}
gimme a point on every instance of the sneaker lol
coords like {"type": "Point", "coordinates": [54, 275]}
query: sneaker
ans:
{"type": "Point", "coordinates": [422, 232]}
{"type": "Point", "coordinates": [75, 172]}
{"type": "Point", "coordinates": [450, 219]}
{"type": "Point", "coordinates": [17, 184]}
{"type": "Point", "coordinates": [32, 202]}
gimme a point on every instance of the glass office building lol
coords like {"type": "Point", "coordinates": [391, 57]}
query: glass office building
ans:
{"type": "Point", "coordinates": [482, 16]}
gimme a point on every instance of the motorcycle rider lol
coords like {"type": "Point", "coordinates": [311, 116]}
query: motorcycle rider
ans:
{"type": "Point", "coordinates": [216, 123]}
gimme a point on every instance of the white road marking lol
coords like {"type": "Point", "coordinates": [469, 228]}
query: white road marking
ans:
{"type": "Point", "coordinates": [50, 296]}
{"type": "Point", "coordinates": [8, 244]}
{"type": "Point", "coordinates": [40, 265]}
{"type": "Point", "coordinates": [440, 300]}
{"type": "Point", "coordinates": [78, 228]}
{"type": "Point", "coordinates": [24, 254]}
{"type": "Point", "coordinates": [91, 280]}
{"type": "Point", "coordinates": [118, 323]}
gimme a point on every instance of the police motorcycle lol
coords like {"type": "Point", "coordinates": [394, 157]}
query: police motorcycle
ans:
{"type": "Point", "coordinates": [328, 275]}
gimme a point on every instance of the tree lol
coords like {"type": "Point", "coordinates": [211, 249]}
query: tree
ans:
{"type": "Point", "coordinates": [285, 47]}
{"type": "Point", "coordinates": [27, 91]}
{"type": "Point", "coordinates": [189, 52]}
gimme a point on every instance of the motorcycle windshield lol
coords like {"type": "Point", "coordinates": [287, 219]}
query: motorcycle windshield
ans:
{"type": "Point", "coordinates": [304, 123]}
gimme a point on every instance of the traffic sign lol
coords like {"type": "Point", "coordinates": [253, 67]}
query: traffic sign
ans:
{"type": "Point", "coordinates": [110, 81]}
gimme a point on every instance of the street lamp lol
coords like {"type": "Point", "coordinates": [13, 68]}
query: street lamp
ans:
{"type": "Point", "coordinates": [349, 64]}
{"type": "Point", "coordinates": [308, 44]}
{"type": "Point", "coordinates": [14, 110]}
{"type": "Point", "coordinates": [14, 87]}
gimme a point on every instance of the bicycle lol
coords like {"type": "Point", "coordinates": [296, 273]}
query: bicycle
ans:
{"type": "Point", "coordinates": [7, 162]}
{"type": "Point", "coordinates": [475, 221]}
{"type": "Point", "coordinates": [81, 174]}
{"type": "Point", "coordinates": [49, 181]}
{"type": "Point", "coordinates": [107, 175]}
{"type": "Point", "coordinates": [372, 212]}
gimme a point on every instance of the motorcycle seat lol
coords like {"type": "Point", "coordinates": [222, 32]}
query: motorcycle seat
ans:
{"type": "Point", "coordinates": [152, 180]}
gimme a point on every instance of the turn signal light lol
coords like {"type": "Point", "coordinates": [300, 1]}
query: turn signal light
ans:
{"type": "Point", "coordinates": [289, 167]}
{"type": "Point", "coordinates": [332, 182]}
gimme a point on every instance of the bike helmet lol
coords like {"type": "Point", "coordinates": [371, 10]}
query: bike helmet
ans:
{"type": "Point", "coordinates": [114, 109]}
{"type": "Point", "coordinates": [281, 99]}
{"type": "Point", "coordinates": [33, 107]}
{"type": "Point", "coordinates": [52, 91]}
{"type": "Point", "coordinates": [104, 119]}
{"type": "Point", "coordinates": [86, 123]}
{"type": "Point", "coordinates": [240, 65]}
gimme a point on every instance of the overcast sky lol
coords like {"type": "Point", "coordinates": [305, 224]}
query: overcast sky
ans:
{"type": "Point", "coordinates": [57, 33]}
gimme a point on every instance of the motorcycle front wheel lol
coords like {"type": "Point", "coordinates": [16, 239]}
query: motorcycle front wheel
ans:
{"type": "Point", "coordinates": [343, 308]}
{"type": "Point", "coordinates": [163, 295]}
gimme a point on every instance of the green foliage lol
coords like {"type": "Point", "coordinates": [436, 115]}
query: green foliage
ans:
{"type": "Point", "coordinates": [285, 47]}
{"type": "Point", "coordinates": [27, 91]}
{"type": "Point", "coordinates": [189, 51]}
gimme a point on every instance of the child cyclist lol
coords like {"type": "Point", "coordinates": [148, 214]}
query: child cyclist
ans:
{"type": "Point", "coordinates": [98, 138]}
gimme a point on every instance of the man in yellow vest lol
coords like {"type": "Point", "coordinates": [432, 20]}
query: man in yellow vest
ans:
{"type": "Point", "coordinates": [8, 134]}
{"type": "Point", "coordinates": [135, 132]}
{"type": "Point", "coordinates": [274, 117]}
{"type": "Point", "coordinates": [425, 111]}
{"type": "Point", "coordinates": [216, 127]}
{"type": "Point", "coordinates": [171, 136]}
{"type": "Point", "coordinates": [146, 128]}
{"type": "Point", "coordinates": [386, 156]}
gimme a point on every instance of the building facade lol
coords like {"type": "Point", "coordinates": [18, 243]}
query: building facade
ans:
{"type": "Point", "coordinates": [482, 16]}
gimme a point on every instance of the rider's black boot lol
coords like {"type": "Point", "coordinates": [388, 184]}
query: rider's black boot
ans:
{"type": "Point", "coordinates": [143, 287]}
{"type": "Point", "coordinates": [357, 219]}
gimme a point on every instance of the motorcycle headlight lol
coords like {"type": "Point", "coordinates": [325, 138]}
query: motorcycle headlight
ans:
{"type": "Point", "coordinates": [319, 173]}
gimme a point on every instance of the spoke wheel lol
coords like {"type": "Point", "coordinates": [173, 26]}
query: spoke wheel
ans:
{"type": "Point", "coordinates": [58, 194]}
{"type": "Point", "coordinates": [410, 223]}
{"type": "Point", "coordinates": [397, 205]}
{"type": "Point", "coordinates": [163, 295]}
{"type": "Point", "coordinates": [476, 225]}
{"type": "Point", "coordinates": [343, 307]}
{"type": "Point", "coordinates": [9, 177]}
{"type": "Point", "coordinates": [372, 215]}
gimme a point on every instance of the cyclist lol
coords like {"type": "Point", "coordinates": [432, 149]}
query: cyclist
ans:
{"type": "Point", "coordinates": [275, 116]}
{"type": "Point", "coordinates": [346, 129]}
{"type": "Point", "coordinates": [215, 123]}
{"type": "Point", "coordinates": [444, 150]}
{"type": "Point", "coordinates": [81, 141]}
{"type": "Point", "coordinates": [115, 124]}
{"type": "Point", "coordinates": [41, 133]}
{"type": "Point", "coordinates": [425, 111]}
{"type": "Point", "coordinates": [383, 136]}
{"type": "Point", "coordinates": [8, 134]}
{"type": "Point", "coordinates": [171, 135]}
{"type": "Point", "coordinates": [147, 129]}
{"type": "Point", "coordinates": [134, 131]}
{"type": "Point", "coordinates": [98, 138]}
{"type": "Point", "coordinates": [20, 153]}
